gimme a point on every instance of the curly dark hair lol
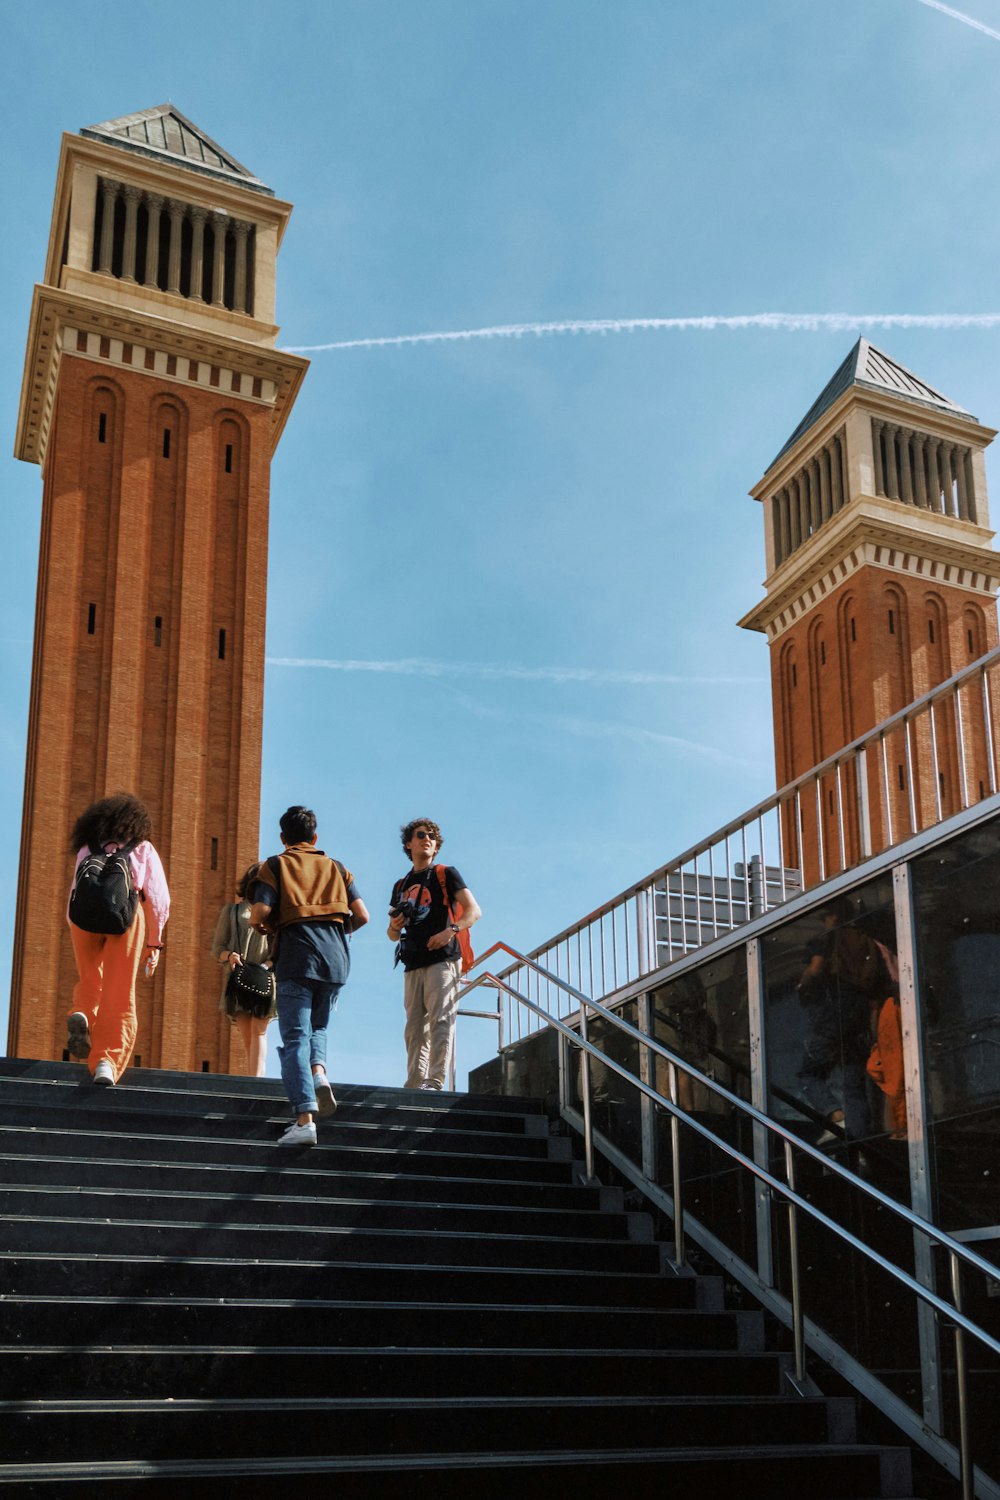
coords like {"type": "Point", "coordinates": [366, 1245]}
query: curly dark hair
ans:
{"type": "Point", "coordinates": [298, 825]}
{"type": "Point", "coordinates": [246, 880]}
{"type": "Point", "coordinates": [118, 819]}
{"type": "Point", "coordinates": [407, 831]}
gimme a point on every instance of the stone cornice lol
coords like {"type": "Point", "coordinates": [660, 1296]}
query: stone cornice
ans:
{"type": "Point", "coordinates": [62, 324]}
{"type": "Point", "coordinates": [883, 533]}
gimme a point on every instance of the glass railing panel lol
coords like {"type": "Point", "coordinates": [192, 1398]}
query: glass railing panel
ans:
{"type": "Point", "coordinates": [833, 1037]}
{"type": "Point", "coordinates": [980, 1298]}
{"type": "Point", "coordinates": [615, 1104]}
{"type": "Point", "coordinates": [702, 1016]}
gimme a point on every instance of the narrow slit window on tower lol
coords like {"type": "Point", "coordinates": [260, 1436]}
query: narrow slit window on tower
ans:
{"type": "Point", "coordinates": [215, 854]}
{"type": "Point", "coordinates": [830, 796]}
{"type": "Point", "coordinates": [854, 632]}
{"type": "Point", "coordinates": [158, 631]}
{"type": "Point", "coordinates": [795, 676]}
{"type": "Point", "coordinates": [892, 623]}
{"type": "Point", "coordinates": [822, 653]}
{"type": "Point", "coordinates": [206, 1066]}
{"type": "Point", "coordinates": [902, 779]}
{"type": "Point", "coordinates": [222, 645]}
{"type": "Point", "coordinates": [972, 644]}
{"type": "Point", "coordinates": [930, 630]}
{"type": "Point", "coordinates": [941, 781]}
{"type": "Point", "coordinates": [102, 427]}
{"type": "Point", "coordinates": [166, 442]}
{"type": "Point", "coordinates": [91, 618]}
{"type": "Point", "coordinates": [229, 458]}
{"type": "Point", "coordinates": [982, 791]}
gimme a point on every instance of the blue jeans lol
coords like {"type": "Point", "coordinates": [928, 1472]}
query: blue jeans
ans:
{"type": "Point", "coordinates": [304, 1007]}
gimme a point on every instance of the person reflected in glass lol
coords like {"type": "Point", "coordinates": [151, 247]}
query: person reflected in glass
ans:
{"type": "Point", "coordinates": [841, 987]}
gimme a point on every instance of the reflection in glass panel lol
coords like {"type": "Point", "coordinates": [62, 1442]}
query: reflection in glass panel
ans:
{"type": "Point", "coordinates": [833, 1032]}
{"type": "Point", "coordinates": [615, 1104]}
{"type": "Point", "coordinates": [702, 1016]}
{"type": "Point", "coordinates": [956, 890]}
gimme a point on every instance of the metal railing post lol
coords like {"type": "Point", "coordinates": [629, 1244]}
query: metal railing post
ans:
{"type": "Point", "coordinates": [588, 1128]}
{"type": "Point", "coordinates": [675, 1156]}
{"type": "Point", "coordinates": [647, 1073]}
{"type": "Point", "coordinates": [961, 1385]}
{"type": "Point", "coordinates": [798, 1321]}
{"type": "Point", "coordinates": [864, 803]}
{"type": "Point", "coordinates": [919, 1147]}
{"type": "Point", "coordinates": [759, 1099]}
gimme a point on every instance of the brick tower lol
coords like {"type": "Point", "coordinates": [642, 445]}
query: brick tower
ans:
{"type": "Point", "coordinates": [153, 399]}
{"type": "Point", "coordinates": [881, 582]}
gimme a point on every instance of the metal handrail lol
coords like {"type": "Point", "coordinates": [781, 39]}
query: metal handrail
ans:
{"type": "Point", "coordinates": [957, 1253]}
{"type": "Point", "coordinates": [788, 797]}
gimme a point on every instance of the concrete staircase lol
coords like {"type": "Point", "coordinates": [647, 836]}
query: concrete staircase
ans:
{"type": "Point", "coordinates": [427, 1303]}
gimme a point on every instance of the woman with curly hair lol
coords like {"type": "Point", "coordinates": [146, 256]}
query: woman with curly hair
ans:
{"type": "Point", "coordinates": [236, 942]}
{"type": "Point", "coordinates": [102, 1024]}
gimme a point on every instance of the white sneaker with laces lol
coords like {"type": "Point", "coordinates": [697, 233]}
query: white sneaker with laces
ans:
{"type": "Point", "coordinates": [325, 1102]}
{"type": "Point", "coordinates": [104, 1073]}
{"type": "Point", "coordinates": [299, 1135]}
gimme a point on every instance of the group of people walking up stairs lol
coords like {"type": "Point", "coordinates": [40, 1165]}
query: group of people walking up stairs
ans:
{"type": "Point", "coordinates": [294, 915]}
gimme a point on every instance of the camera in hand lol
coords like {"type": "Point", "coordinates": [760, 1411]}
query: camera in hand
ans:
{"type": "Point", "coordinates": [410, 911]}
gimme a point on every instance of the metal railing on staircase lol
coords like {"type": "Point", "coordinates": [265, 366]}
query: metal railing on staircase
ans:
{"type": "Point", "coordinates": [571, 1029]}
{"type": "Point", "coordinates": [935, 757]}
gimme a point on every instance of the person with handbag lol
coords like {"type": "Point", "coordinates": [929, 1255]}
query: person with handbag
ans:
{"type": "Point", "coordinates": [246, 955]}
{"type": "Point", "coordinates": [312, 904]}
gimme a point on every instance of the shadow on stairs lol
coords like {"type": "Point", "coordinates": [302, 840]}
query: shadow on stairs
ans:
{"type": "Point", "coordinates": [426, 1303]}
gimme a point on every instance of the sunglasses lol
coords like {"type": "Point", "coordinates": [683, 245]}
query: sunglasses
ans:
{"type": "Point", "coordinates": [423, 834]}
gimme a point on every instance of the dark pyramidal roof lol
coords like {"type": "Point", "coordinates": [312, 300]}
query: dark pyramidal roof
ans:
{"type": "Point", "coordinates": [869, 367]}
{"type": "Point", "coordinates": [164, 134]}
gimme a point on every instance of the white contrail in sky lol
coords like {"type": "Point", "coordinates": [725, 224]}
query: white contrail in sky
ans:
{"type": "Point", "coordinates": [959, 15]}
{"type": "Point", "coordinates": [782, 322]}
{"type": "Point", "coordinates": [418, 666]}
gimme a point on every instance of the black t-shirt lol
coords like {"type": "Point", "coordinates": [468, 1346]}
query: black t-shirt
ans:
{"type": "Point", "coordinates": [424, 889]}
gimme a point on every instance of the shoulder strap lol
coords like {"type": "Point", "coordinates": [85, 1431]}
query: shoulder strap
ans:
{"type": "Point", "coordinates": [439, 871]}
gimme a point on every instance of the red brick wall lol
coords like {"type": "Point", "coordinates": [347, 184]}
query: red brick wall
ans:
{"type": "Point", "coordinates": [873, 645]}
{"type": "Point", "coordinates": [142, 534]}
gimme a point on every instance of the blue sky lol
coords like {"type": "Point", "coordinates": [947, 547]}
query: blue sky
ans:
{"type": "Point", "coordinates": [507, 507]}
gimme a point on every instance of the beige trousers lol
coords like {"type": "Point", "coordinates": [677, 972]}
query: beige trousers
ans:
{"type": "Point", "coordinates": [430, 998]}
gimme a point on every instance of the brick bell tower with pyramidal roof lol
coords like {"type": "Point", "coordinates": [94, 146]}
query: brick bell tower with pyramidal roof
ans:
{"type": "Point", "coordinates": [881, 582]}
{"type": "Point", "coordinates": [153, 400]}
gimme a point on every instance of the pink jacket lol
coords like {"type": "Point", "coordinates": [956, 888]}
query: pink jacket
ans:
{"type": "Point", "coordinates": [147, 877]}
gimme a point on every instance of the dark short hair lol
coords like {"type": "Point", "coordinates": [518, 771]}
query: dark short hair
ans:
{"type": "Point", "coordinates": [407, 831]}
{"type": "Point", "coordinates": [246, 880]}
{"type": "Point", "coordinates": [118, 819]}
{"type": "Point", "coordinates": [298, 825]}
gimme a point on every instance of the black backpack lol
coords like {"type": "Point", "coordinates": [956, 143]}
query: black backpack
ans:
{"type": "Point", "coordinates": [103, 898]}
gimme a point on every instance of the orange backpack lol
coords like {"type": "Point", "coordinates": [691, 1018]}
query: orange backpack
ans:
{"type": "Point", "coordinates": [464, 940]}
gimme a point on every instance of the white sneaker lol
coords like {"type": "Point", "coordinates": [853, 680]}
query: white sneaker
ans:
{"type": "Point", "coordinates": [299, 1135]}
{"type": "Point", "coordinates": [325, 1102]}
{"type": "Point", "coordinates": [104, 1073]}
{"type": "Point", "coordinates": [429, 1085]}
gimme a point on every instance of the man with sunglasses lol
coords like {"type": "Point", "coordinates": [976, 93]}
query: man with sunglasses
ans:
{"type": "Point", "coordinates": [424, 921]}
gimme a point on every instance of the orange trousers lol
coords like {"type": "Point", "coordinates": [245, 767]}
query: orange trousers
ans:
{"type": "Point", "coordinates": [105, 991]}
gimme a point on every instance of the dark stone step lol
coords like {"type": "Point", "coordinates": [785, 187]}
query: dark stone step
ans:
{"type": "Point", "coordinates": [286, 1210]}
{"type": "Point", "coordinates": [132, 1093]}
{"type": "Point", "coordinates": [158, 1175]}
{"type": "Point", "coordinates": [85, 1431]}
{"type": "Point", "coordinates": [118, 1320]}
{"type": "Point", "coordinates": [92, 1276]}
{"type": "Point", "coordinates": [756, 1473]}
{"type": "Point", "coordinates": [78, 1236]}
{"type": "Point", "coordinates": [24, 1070]}
{"type": "Point", "coordinates": [119, 1113]}
{"type": "Point", "coordinates": [191, 1146]}
{"type": "Point", "coordinates": [60, 1371]}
